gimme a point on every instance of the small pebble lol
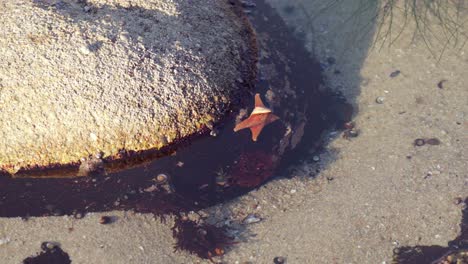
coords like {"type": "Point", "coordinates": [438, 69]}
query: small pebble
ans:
{"type": "Point", "coordinates": [105, 220]}
{"type": "Point", "coordinates": [248, 4]}
{"type": "Point", "coordinates": [395, 74]}
{"type": "Point", "coordinates": [433, 141]}
{"type": "Point", "coordinates": [251, 219]}
{"type": "Point", "coordinates": [214, 133]}
{"type": "Point", "coordinates": [441, 84]}
{"type": "Point", "coordinates": [316, 158]}
{"type": "Point", "coordinates": [46, 246]}
{"type": "Point", "coordinates": [279, 260]}
{"type": "Point", "coordinates": [352, 133]}
{"type": "Point", "coordinates": [419, 142]}
{"type": "Point", "coordinates": [84, 50]}
{"type": "Point", "coordinates": [457, 200]}
{"type": "Point", "coordinates": [380, 100]}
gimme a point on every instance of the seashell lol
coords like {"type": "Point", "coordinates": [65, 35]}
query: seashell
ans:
{"type": "Point", "coordinates": [161, 178]}
{"type": "Point", "coordinates": [251, 219]}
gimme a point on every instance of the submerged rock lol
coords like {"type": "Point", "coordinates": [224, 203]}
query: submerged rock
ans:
{"type": "Point", "coordinates": [115, 77]}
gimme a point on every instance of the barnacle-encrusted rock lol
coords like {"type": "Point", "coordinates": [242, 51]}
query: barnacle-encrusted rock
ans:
{"type": "Point", "coordinates": [102, 76]}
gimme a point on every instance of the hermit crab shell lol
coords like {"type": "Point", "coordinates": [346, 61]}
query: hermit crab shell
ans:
{"type": "Point", "coordinates": [121, 78]}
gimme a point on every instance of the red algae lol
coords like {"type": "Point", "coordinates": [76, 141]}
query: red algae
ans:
{"type": "Point", "coordinates": [253, 168]}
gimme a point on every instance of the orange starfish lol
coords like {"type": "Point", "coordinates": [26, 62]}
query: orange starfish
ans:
{"type": "Point", "coordinates": [259, 118]}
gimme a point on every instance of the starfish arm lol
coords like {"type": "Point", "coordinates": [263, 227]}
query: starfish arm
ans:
{"type": "Point", "coordinates": [271, 118]}
{"type": "Point", "coordinates": [258, 101]}
{"type": "Point", "coordinates": [256, 131]}
{"type": "Point", "coordinates": [253, 120]}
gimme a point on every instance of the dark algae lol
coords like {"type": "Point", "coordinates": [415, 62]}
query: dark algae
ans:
{"type": "Point", "coordinates": [202, 239]}
{"type": "Point", "coordinates": [50, 254]}
{"type": "Point", "coordinates": [455, 253]}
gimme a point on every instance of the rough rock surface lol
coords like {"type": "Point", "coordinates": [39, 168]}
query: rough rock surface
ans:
{"type": "Point", "coordinates": [101, 76]}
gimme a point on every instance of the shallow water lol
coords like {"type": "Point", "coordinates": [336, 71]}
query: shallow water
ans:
{"type": "Point", "coordinates": [207, 170]}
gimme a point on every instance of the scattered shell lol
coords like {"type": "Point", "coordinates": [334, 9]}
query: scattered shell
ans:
{"type": "Point", "coordinates": [105, 220]}
{"type": "Point", "coordinates": [395, 74]}
{"type": "Point", "coordinates": [279, 260]}
{"type": "Point", "coordinates": [380, 100]}
{"type": "Point", "coordinates": [419, 142]}
{"type": "Point", "coordinates": [46, 246]}
{"type": "Point", "coordinates": [152, 188]}
{"type": "Point", "coordinates": [4, 241]}
{"type": "Point", "coordinates": [214, 133]}
{"type": "Point", "coordinates": [251, 219]}
{"type": "Point", "coordinates": [316, 158]}
{"type": "Point", "coordinates": [161, 178]}
{"type": "Point", "coordinates": [78, 214]}
{"type": "Point", "coordinates": [433, 141]}
{"type": "Point", "coordinates": [180, 164]}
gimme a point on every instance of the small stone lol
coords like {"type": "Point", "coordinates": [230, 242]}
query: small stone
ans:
{"type": "Point", "coordinates": [441, 84]}
{"type": "Point", "coordinates": [279, 260]}
{"type": "Point", "coordinates": [316, 158]}
{"type": "Point", "coordinates": [419, 142]}
{"type": "Point", "coordinates": [84, 50]}
{"type": "Point", "coordinates": [433, 141]}
{"type": "Point", "coordinates": [293, 191]}
{"type": "Point", "coordinates": [78, 215]}
{"type": "Point", "coordinates": [47, 246]}
{"type": "Point", "coordinates": [251, 219]}
{"type": "Point", "coordinates": [248, 4]}
{"type": "Point", "coordinates": [104, 220]}
{"type": "Point", "coordinates": [380, 100]}
{"type": "Point", "coordinates": [331, 60]}
{"type": "Point", "coordinates": [352, 133]}
{"type": "Point", "coordinates": [395, 74]}
{"type": "Point", "coordinates": [214, 133]}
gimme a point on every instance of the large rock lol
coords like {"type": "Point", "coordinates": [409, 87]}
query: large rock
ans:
{"type": "Point", "coordinates": [78, 78]}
